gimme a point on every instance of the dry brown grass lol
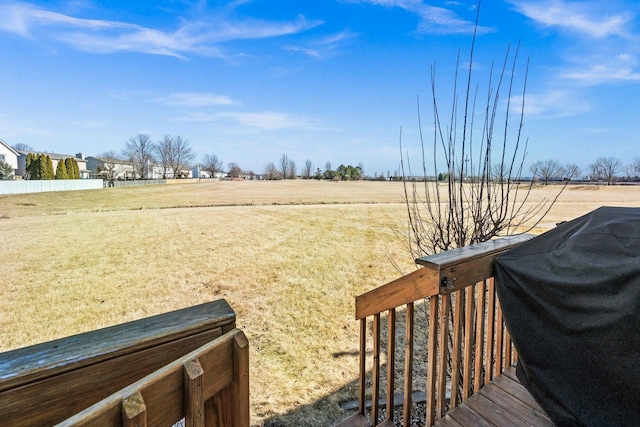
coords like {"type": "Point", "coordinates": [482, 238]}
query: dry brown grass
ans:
{"type": "Point", "coordinates": [289, 257]}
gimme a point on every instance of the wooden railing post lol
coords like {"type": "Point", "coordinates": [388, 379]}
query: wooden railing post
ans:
{"type": "Point", "coordinates": [363, 366]}
{"type": "Point", "coordinates": [375, 380]}
{"type": "Point", "coordinates": [193, 394]}
{"type": "Point", "coordinates": [431, 360]}
{"type": "Point", "coordinates": [134, 411]}
{"type": "Point", "coordinates": [241, 381]}
{"type": "Point", "coordinates": [455, 356]}
{"type": "Point", "coordinates": [391, 361]}
{"type": "Point", "coordinates": [491, 312]}
{"type": "Point", "coordinates": [408, 364]}
{"type": "Point", "coordinates": [479, 355]}
{"type": "Point", "coordinates": [467, 386]}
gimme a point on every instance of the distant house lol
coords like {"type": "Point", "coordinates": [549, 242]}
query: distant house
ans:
{"type": "Point", "coordinates": [104, 168]}
{"type": "Point", "coordinates": [9, 155]}
{"type": "Point", "coordinates": [55, 158]}
{"type": "Point", "coordinates": [198, 172]}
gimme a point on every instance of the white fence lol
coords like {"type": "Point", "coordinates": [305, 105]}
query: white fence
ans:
{"type": "Point", "coordinates": [39, 186]}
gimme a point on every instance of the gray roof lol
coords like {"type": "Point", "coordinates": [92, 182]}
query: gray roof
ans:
{"type": "Point", "coordinates": [53, 156]}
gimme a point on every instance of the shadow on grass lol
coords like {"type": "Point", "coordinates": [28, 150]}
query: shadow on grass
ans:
{"type": "Point", "coordinates": [327, 411]}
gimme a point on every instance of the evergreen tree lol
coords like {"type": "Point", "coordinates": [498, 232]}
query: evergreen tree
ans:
{"type": "Point", "coordinates": [29, 166]}
{"type": "Point", "coordinates": [73, 170]}
{"type": "Point", "coordinates": [29, 160]}
{"type": "Point", "coordinates": [35, 168]}
{"type": "Point", "coordinates": [48, 172]}
{"type": "Point", "coordinates": [6, 171]}
{"type": "Point", "coordinates": [61, 170]}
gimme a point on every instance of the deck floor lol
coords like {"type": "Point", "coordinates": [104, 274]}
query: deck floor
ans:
{"type": "Point", "coordinates": [503, 402]}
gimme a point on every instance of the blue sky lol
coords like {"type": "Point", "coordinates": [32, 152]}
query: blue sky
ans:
{"type": "Point", "coordinates": [326, 80]}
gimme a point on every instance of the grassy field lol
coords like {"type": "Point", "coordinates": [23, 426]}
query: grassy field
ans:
{"type": "Point", "coordinates": [288, 256]}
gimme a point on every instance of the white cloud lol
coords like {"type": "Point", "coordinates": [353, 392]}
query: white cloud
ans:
{"type": "Point", "coordinates": [581, 17]}
{"type": "Point", "coordinates": [196, 99]}
{"type": "Point", "coordinates": [597, 69]}
{"type": "Point", "coordinates": [265, 120]}
{"type": "Point", "coordinates": [102, 36]}
{"type": "Point", "coordinates": [602, 74]}
{"type": "Point", "coordinates": [322, 48]}
{"type": "Point", "coordinates": [552, 103]}
{"type": "Point", "coordinates": [21, 18]}
{"type": "Point", "coordinates": [433, 19]}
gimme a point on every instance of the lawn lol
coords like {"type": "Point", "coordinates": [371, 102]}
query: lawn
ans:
{"type": "Point", "coordinates": [290, 257]}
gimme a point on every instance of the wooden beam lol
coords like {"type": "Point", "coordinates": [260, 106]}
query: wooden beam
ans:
{"type": "Point", "coordinates": [469, 253]}
{"type": "Point", "coordinates": [462, 267]}
{"type": "Point", "coordinates": [163, 389]}
{"type": "Point", "coordinates": [415, 286]}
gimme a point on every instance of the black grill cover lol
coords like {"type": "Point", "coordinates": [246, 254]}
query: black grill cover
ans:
{"type": "Point", "coordinates": [571, 301]}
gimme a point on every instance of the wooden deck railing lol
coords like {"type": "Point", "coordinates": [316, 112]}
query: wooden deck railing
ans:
{"type": "Point", "coordinates": [190, 364]}
{"type": "Point", "coordinates": [467, 342]}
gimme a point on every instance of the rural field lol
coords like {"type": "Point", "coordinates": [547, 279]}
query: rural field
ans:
{"type": "Point", "coordinates": [288, 256]}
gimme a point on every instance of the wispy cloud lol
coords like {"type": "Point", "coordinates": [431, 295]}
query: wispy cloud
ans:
{"type": "Point", "coordinates": [553, 103]}
{"type": "Point", "coordinates": [265, 120]}
{"type": "Point", "coordinates": [433, 19]}
{"type": "Point", "coordinates": [102, 36]}
{"type": "Point", "coordinates": [580, 17]}
{"type": "Point", "coordinates": [597, 70]}
{"type": "Point", "coordinates": [196, 99]}
{"type": "Point", "coordinates": [324, 47]}
{"type": "Point", "coordinates": [605, 35]}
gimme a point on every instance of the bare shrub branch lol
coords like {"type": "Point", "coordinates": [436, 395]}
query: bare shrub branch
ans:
{"type": "Point", "coordinates": [472, 193]}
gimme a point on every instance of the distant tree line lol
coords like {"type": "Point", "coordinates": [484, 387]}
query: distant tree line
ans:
{"type": "Point", "coordinates": [174, 157]}
{"type": "Point", "coordinates": [603, 169]}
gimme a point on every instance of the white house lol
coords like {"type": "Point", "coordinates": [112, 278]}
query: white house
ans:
{"type": "Point", "coordinates": [9, 155]}
{"type": "Point", "coordinates": [103, 168]}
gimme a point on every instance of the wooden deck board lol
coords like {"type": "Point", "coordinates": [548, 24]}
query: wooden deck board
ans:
{"type": "Point", "coordinates": [502, 402]}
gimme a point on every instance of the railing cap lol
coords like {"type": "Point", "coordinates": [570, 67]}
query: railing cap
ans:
{"type": "Point", "coordinates": [55, 357]}
{"type": "Point", "coordinates": [452, 257]}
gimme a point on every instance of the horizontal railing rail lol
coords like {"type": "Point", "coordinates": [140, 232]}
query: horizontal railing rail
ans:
{"type": "Point", "coordinates": [42, 385]}
{"type": "Point", "coordinates": [209, 385]}
{"type": "Point", "coordinates": [467, 343]}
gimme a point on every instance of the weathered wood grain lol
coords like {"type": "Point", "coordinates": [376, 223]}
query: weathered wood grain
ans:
{"type": "Point", "coordinates": [164, 391]}
{"type": "Point", "coordinates": [193, 394]}
{"type": "Point", "coordinates": [462, 267]}
{"type": "Point", "coordinates": [415, 286]}
{"type": "Point", "coordinates": [241, 380]}
{"type": "Point", "coordinates": [503, 402]}
{"type": "Point", "coordinates": [73, 373]}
